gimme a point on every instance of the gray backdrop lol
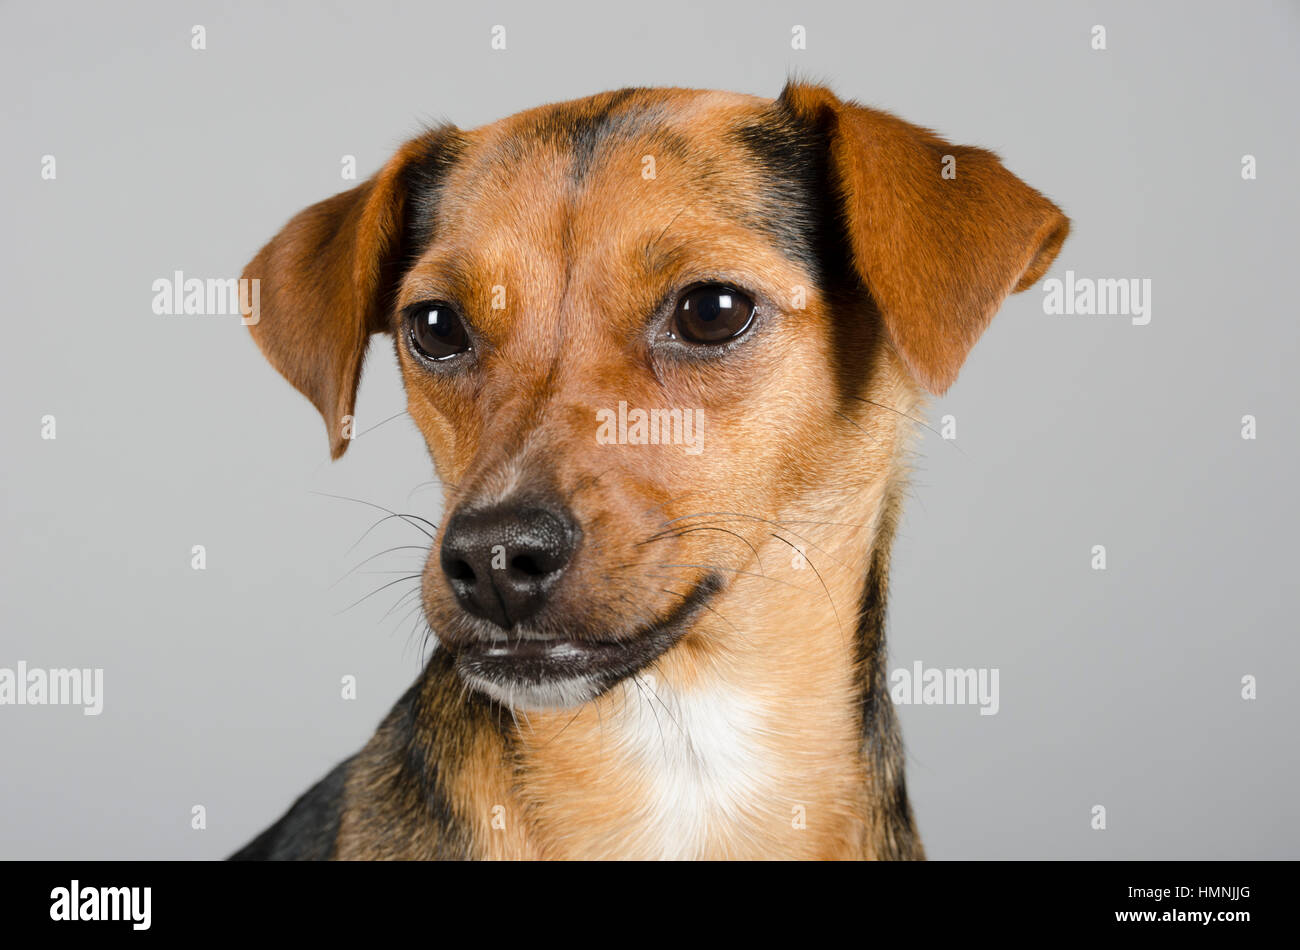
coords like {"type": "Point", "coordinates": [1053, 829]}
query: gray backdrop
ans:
{"type": "Point", "coordinates": [1120, 688]}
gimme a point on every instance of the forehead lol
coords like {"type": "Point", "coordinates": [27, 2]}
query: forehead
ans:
{"type": "Point", "coordinates": [591, 174]}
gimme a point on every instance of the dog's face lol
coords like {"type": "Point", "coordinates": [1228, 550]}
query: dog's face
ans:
{"type": "Point", "coordinates": [636, 331]}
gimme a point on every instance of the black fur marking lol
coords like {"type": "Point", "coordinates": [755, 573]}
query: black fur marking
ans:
{"type": "Point", "coordinates": [583, 127]}
{"type": "Point", "coordinates": [308, 829]}
{"type": "Point", "coordinates": [423, 734]}
{"type": "Point", "coordinates": [423, 180]}
{"type": "Point", "coordinates": [427, 750]}
{"type": "Point", "coordinates": [800, 210]}
{"type": "Point", "coordinates": [587, 130]}
{"type": "Point", "coordinates": [896, 837]}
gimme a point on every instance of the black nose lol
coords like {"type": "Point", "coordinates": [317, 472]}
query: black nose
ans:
{"type": "Point", "coordinates": [503, 562]}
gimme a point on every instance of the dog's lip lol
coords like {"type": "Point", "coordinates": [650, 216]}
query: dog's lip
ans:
{"type": "Point", "coordinates": [539, 647]}
{"type": "Point", "coordinates": [524, 657]}
{"type": "Point", "coordinates": [521, 660]}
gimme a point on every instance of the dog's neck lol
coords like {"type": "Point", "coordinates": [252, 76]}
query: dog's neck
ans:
{"type": "Point", "coordinates": [771, 737]}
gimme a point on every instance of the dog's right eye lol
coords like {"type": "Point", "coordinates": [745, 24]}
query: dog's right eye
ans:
{"type": "Point", "coordinates": [436, 330]}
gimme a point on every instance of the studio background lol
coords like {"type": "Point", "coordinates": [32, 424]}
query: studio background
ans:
{"type": "Point", "coordinates": [222, 687]}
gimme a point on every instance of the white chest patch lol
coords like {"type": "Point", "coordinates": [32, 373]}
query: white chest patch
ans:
{"type": "Point", "coordinates": [702, 764]}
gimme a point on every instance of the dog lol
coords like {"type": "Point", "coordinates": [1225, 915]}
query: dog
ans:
{"type": "Point", "coordinates": [668, 349]}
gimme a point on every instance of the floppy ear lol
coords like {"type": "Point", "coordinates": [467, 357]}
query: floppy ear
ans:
{"type": "Point", "coordinates": [326, 281]}
{"type": "Point", "coordinates": [938, 253]}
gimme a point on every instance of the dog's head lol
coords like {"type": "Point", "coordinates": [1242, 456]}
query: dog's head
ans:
{"type": "Point", "coordinates": [638, 331]}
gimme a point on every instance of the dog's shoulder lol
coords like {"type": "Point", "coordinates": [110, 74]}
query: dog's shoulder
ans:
{"type": "Point", "coordinates": [309, 829]}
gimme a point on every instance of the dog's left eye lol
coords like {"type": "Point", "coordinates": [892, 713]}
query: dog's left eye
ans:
{"type": "Point", "coordinates": [713, 313]}
{"type": "Point", "coordinates": [437, 331]}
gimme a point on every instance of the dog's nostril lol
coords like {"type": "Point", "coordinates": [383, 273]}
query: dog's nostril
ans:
{"type": "Point", "coordinates": [459, 570]}
{"type": "Point", "coordinates": [527, 564]}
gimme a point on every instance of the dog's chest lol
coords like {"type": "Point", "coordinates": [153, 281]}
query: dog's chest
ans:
{"type": "Point", "coordinates": [708, 773]}
{"type": "Point", "coordinates": [713, 772]}
{"type": "Point", "coordinates": [698, 771]}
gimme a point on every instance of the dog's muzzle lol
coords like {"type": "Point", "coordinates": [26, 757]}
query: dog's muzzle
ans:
{"type": "Point", "coordinates": [504, 564]}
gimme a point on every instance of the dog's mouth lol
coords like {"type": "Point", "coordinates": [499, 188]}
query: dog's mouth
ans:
{"type": "Point", "coordinates": [533, 672]}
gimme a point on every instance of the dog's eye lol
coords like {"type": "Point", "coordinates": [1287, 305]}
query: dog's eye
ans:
{"type": "Point", "coordinates": [437, 332]}
{"type": "Point", "coordinates": [713, 313]}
